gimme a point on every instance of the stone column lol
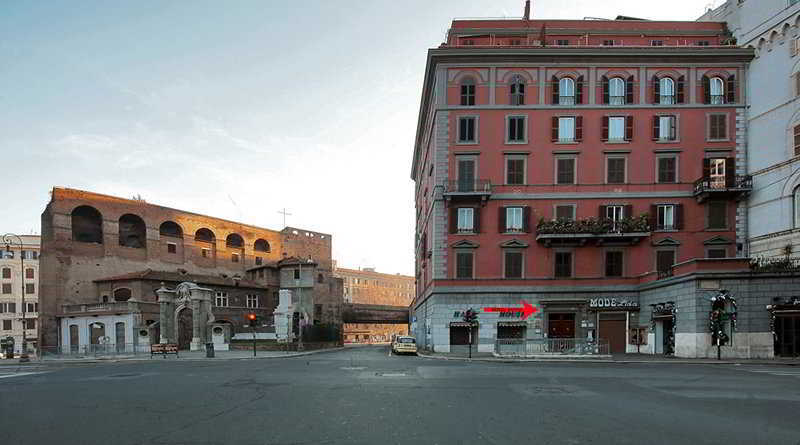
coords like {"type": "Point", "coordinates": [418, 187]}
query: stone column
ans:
{"type": "Point", "coordinates": [201, 315]}
{"type": "Point", "coordinates": [166, 299]}
{"type": "Point", "coordinates": [197, 325]}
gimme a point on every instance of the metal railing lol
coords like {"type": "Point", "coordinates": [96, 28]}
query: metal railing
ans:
{"type": "Point", "coordinates": [719, 183]}
{"type": "Point", "coordinates": [118, 306]}
{"type": "Point", "coordinates": [93, 351]}
{"type": "Point", "coordinates": [550, 346]}
{"type": "Point", "coordinates": [469, 186]}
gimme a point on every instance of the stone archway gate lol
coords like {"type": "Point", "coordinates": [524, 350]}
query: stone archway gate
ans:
{"type": "Point", "coordinates": [185, 295]}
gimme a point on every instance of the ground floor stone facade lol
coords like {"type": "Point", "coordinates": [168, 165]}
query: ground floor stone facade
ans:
{"type": "Point", "coordinates": [668, 316]}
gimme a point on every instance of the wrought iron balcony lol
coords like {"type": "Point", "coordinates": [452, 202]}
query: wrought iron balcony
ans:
{"type": "Point", "coordinates": [461, 189]}
{"type": "Point", "coordinates": [723, 187]}
{"type": "Point", "coordinates": [627, 231]}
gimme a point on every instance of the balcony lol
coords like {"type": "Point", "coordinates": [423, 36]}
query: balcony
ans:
{"type": "Point", "coordinates": [105, 308]}
{"type": "Point", "coordinates": [462, 190]}
{"type": "Point", "coordinates": [627, 231]}
{"type": "Point", "coordinates": [723, 187]}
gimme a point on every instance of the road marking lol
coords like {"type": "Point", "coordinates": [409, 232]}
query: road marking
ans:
{"type": "Point", "coordinates": [21, 374]}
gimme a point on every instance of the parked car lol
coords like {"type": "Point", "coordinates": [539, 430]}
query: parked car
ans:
{"type": "Point", "coordinates": [403, 344]}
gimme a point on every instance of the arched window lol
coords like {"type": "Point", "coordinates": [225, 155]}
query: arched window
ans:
{"type": "Point", "coordinates": [616, 91]}
{"type": "Point", "coordinates": [717, 91]}
{"type": "Point", "coordinates": [261, 245]}
{"type": "Point", "coordinates": [566, 91]}
{"type": "Point", "coordinates": [132, 232]}
{"type": "Point", "coordinates": [468, 91]}
{"type": "Point", "coordinates": [170, 228]}
{"type": "Point", "coordinates": [234, 240]}
{"type": "Point", "coordinates": [204, 235]}
{"type": "Point", "coordinates": [517, 87]}
{"type": "Point", "coordinates": [122, 294]}
{"type": "Point", "coordinates": [666, 88]}
{"type": "Point", "coordinates": [97, 333]}
{"type": "Point", "coordinates": [796, 200]}
{"type": "Point", "coordinates": [87, 225]}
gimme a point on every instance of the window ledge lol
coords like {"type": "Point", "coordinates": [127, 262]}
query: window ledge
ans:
{"type": "Point", "coordinates": [666, 230]}
{"type": "Point", "coordinates": [466, 143]}
{"type": "Point", "coordinates": [566, 143]}
{"type": "Point", "coordinates": [613, 141]}
{"type": "Point", "coordinates": [514, 233]}
{"type": "Point", "coordinates": [717, 230]}
{"type": "Point", "coordinates": [516, 142]}
{"type": "Point", "coordinates": [668, 141]}
{"type": "Point", "coordinates": [718, 140]}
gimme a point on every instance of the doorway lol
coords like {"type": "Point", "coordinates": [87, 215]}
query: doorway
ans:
{"type": "Point", "coordinates": [185, 329]}
{"type": "Point", "coordinates": [787, 335]}
{"type": "Point", "coordinates": [612, 329]}
{"type": "Point", "coordinates": [561, 325]}
{"type": "Point", "coordinates": [665, 338]}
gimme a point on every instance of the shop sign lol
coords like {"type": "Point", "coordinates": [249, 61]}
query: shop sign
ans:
{"type": "Point", "coordinates": [615, 303]}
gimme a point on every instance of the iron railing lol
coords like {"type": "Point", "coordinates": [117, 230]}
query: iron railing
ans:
{"type": "Point", "coordinates": [93, 351]}
{"type": "Point", "coordinates": [719, 183]}
{"type": "Point", "coordinates": [550, 346]}
{"type": "Point", "coordinates": [469, 186]}
{"type": "Point", "coordinates": [123, 306]}
{"type": "Point", "coordinates": [666, 273]}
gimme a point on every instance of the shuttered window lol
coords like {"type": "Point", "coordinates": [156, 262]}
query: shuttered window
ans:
{"type": "Point", "coordinates": [565, 171]}
{"type": "Point", "coordinates": [667, 169]}
{"type": "Point", "coordinates": [464, 264]}
{"type": "Point", "coordinates": [717, 215]}
{"type": "Point", "coordinates": [513, 264]}
{"type": "Point", "coordinates": [515, 171]}
{"type": "Point", "coordinates": [563, 264]}
{"type": "Point", "coordinates": [665, 259]}
{"type": "Point", "coordinates": [615, 168]}
{"type": "Point", "coordinates": [717, 126]}
{"type": "Point", "coordinates": [613, 264]}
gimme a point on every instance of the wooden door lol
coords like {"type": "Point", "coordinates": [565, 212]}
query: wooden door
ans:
{"type": "Point", "coordinates": [561, 325]}
{"type": "Point", "coordinates": [612, 329]}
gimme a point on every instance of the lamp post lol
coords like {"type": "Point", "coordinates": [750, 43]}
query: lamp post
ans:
{"type": "Point", "coordinates": [8, 239]}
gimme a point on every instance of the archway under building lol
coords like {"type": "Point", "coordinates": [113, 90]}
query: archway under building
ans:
{"type": "Point", "coordinates": [184, 326]}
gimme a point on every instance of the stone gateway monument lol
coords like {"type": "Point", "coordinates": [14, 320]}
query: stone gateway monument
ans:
{"type": "Point", "coordinates": [187, 301]}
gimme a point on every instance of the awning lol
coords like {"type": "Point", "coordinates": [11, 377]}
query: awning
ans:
{"type": "Point", "coordinates": [520, 324]}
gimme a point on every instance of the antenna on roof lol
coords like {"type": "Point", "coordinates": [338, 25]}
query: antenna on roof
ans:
{"type": "Point", "coordinates": [527, 15]}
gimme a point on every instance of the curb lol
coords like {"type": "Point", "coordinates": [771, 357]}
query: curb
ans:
{"type": "Point", "coordinates": [611, 361]}
{"type": "Point", "coordinates": [178, 360]}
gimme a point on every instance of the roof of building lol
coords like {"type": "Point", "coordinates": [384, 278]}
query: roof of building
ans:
{"type": "Point", "coordinates": [161, 275]}
{"type": "Point", "coordinates": [371, 273]}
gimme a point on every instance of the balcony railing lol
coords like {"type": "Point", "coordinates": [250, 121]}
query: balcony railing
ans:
{"type": "Point", "coordinates": [567, 231]}
{"type": "Point", "coordinates": [734, 186]}
{"type": "Point", "coordinates": [469, 186]}
{"type": "Point", "coordinates": [124, 306]}
{"type": "Point", "coordinates": [666, 273]}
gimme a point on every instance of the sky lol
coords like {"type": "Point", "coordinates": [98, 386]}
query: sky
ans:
{"type": "Point", "coordinates": [238, 109]}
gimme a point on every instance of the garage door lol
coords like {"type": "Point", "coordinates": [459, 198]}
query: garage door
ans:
{"type": "Point", "coordinates": [612, 329]}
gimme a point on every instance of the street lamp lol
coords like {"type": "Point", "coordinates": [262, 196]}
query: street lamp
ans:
{"type": "Point", "coordinates": [8, 238]}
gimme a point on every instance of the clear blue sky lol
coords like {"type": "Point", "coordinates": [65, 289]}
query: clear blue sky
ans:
{"type": "Point", "coordinates": [237, 109]}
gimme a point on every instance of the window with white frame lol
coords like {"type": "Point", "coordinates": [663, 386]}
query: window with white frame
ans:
{"type": "Point", "coordinates": [466, 129]}
{"type": "Point", "coordinates": [717, 173]}
{"type": "Point", "coordinates": [221, 299]}
{"type": "Point", "coordinates": [466, 220]}
{"type": "Point", "coordinates": [517, 90]}
{"type": "Point", "coordinates": [565, 170]}
{"type": "Point", "coordinates": [717, 91]}
{"type": "Point", "coordinates": [515, 129]}
{"type": "Point", "coordinates": [616, 91]}
{"type": "Point", "coordinates": [468, 91]}
{"type": "Point", "coordinates": [252, 301]}
{"type": "Point", "coordinates": [616, 128]}
{"type": "Point", "coordinates": [666, 217]}
{"type": "Point", "coordinates": [666, 91]}
{"type": "Point", "coordinates": [513, 219]}
{"type": "Point", "coordinates": [615, 213]}
{"type": "Point", "coordinates": [565, 212]}
{"type": "Point", "coordinates": [515, 169]}
{"type": "Point", "coordinates": [566, 129]}
{"type": "Point", "coordinates": [566, 91]}
{"type": "Point", "coordinates": [667, 128]}
{"type": "Point", "coordinates": [615, 170]}
{"type": "Point", "coordinates": [667, 169]}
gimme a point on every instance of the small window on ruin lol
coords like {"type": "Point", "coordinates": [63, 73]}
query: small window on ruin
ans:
{"type": "Point", "coordinates": [234, 257]}
{"type": "Point", "coordinates": [320, 278]}
{"type": "Point", "coordinates": [87, 225]}
{"type": "Point", "coordinates": [132, 231]}
{"type": "Point", "coordinates": [206, 253]}
{"type": "Point", "coordinates": [235, 241]}
{"type": "Point", "coordinates": [122, 294]}
{"type": "Point", "coordinates": [172, 248]}
{"type": "Point", "coordinates": [259, 261]}
{"type": "Point", "coordinates": [261, 245]}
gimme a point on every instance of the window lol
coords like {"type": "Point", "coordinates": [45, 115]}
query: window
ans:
{"type": "Point", "coordinates": [616, 129]}
{"type": "Point", "coordinates": [513, 264]}
{"type": "Point", "coordinates": [6, 288]}
{"type": "Point", "coordinates": [616, 88]}
{"type": "Point", "coordinates": [132, 231]}
{"type": "Point", "coordinates": [261, 245]}
{"type": "Point", "coordinates": [656, 43]}
{"type": "Point", "coordinates": [87, 225]}
{"type": "Point", "coordinates": [515, 42]}
{"type": "Point", "coordinates": [615, 170]}
{"type": "Point", "coordinates": [565, 170]}
{"type": "Point", "coordinates": [468, 91]}
{"type": "Point", "coordinates": [717, 178]}
{"type": "Point", "coordinates": [516, 129]}
{"type": "Point", "coordinates": [703, 43]}
{"type": "Point", "coordinates": [563, 264]}
{"type": "Point", "coordinates": [513, 219]}
{"type": "Point", "coordinates": [667, 169]}
{"type": "Point", "coordinates": [31, 307]}
{"type": "Point", "coordinates": [566, 129]}
{"type": "Point", "coordinates": [615, 213]}
{"type": "Point", "coordinates": [252, 301]}
{"type": "Point", "coordinates": [566, 91]}
{"type": "Point", "coordinates": [464, 264]}
{"type": "Point", "coordinates": [614, 263]}
{"type": "Point", "coordinates": [29, 273]}
{"type": "Point", "coordinates": [6, 272]}
{"type": "Point", "coordinates": [172, 248]}
{"type": "Point", "coordinates": [608, 43]}
{"type": "Point", "coordinates": [30, 323]}
{"type": "Point", "coordinates": [717, 215]}
{"type": "Point", "coordinates": [717, 126]}
{"type": "Point", "coordinates": [6, 325]}
{"type": "Point", "coordinates": [562, 42]}
{"type": "Point", "coordinates": [466, 174]}
{"type": "Point", "coordinates": [30, 288]}
{"type": "Point", "coordinates": [234, 258]}
{"type": "Point", "coordinates": [664, 128]}
{"type": "Point", "coordinates": [259, 261]}
{"type": "Point", "coordinates": [297, 274]}
{"type": "Point", "coordinates": [717, 252]}
{"type": "Point", "coordinates": [665, 259]}
{"type": "Point", "coordinates": [797, 140]}
{"type": "Point", "coordinates": [8, 254]}
{"type": "Point", "coordinates": [221, 299]}
{"type": "Point", "coordinates": [717, 91]}
{"type": "Point", "coordinates": [565, 212]}
{"type": "Point", "coordinates": [466, 219]}
{"type": "Point", "coordinates": [517, 90]}
{"type": "Point", "coordinates": [466, 129]}
{"type": "Point", "coordinates": [666, 88]}
{"type": "Point", "coordinates": [515, 170]}
{"type": "Point", "coordinates": [665, 217]}
{"type": "Point", "coordinates": [206, 253]}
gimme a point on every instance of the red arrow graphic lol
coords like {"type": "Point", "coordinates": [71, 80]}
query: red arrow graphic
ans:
{"type": "Point", "coordinates": [527, 309]}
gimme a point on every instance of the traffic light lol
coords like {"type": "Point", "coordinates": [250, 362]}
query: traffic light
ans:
{"type": "Point", "coordinates": [470, 316]}
{"type": "Point", "coordinates": [252, 319]}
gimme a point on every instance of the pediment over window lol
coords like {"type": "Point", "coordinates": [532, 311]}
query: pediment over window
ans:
{"type": "Point", "coordinates": [465, 244]}
{"type": "Point", "coordinates": [718, 241]}
{"type": "Point", "coordinates": [666, 242]}
{"type": "Point", "coordinates": [514, 243]}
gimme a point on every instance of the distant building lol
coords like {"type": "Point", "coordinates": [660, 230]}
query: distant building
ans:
{"type": "Point", "coordinates": [16, 278]}
{"type": "Point", "coordinates": [366, 286]}
{"type": "Point", "coordinates": [103, 257]}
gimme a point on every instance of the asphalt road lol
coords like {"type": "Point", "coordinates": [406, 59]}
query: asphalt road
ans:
{"type": "Point", "coordinates": [364, 396]}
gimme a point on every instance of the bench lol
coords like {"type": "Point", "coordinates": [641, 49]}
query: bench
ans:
{"type": "Point", "coordinates": [164, 349]}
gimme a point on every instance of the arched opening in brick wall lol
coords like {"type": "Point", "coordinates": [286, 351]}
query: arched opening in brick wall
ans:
{"type": "Point", "coordinates": [234, 241]}
{"type": "Point", "coordinates": [132, 231]}
{"type": "Point", "coordinates": [122, 294]}
{"type": "Point", "coordinates": [87, 225]}
{"type": "Point", "coordinates": [170, 228]}
{"type": "Point", "coordinates": [261, 245]}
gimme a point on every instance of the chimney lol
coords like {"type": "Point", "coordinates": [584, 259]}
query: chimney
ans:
{"type": "Point", "coordinates": [527, 10]}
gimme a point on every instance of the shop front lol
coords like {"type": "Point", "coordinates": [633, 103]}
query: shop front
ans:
{"type": "Point", "coordinates": [785, 327]}
{"type": "Point", "coordinates": [612, 316]}
{"type": "Point", "coordinates": [662, 327]}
